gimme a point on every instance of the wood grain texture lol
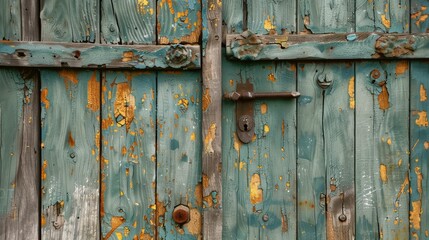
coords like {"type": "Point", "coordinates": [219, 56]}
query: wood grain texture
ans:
{"type": "Point", "coordinates": [179, 179]}
{"type": "Point", "coordinates": [419, 16]}
{"type": "Point", "coordinates": [10, 20]}
{"type": "Point", "coordinates": [232, 16]}
{"type": "Point", "coordinates": [75, 21]}
{"type": "Point", "coordinates": [30, 28]}
{"type": "Point", "coordinates": [212, 120]}
{"type": "Point", "coordinates": [128, 22]}
{"type": "Point", "coordinates": [259, 178]}
{"type": "Point", "coordinates": [128, 155]}
{"type": "Point", "coordinates": [179, 21]}
{"type": "Point", "coordinates": [87, 55]}
{"type": "Point", "coordinates": [271, 16]}
{"type": "Point", "coordinates": [382, 146]}
{"type": "Point", "coordinates": [382, 16]}
{"type": "Point", "coordinates": [70, 160]}
{"type": "Point", "coordinates": [326, 16]}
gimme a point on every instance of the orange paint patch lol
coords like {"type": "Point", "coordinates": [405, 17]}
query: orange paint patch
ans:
{"type": "Point", "coordinates": [255, 192]}
{"type": "Point", "coordinates": [264, 108]}
{"type": "Point", "coordinates": [415, 214]}
{"type": "Point", "coordinates": [426, 145]}
{"type": "Point", "coordinates": [44, 167]}
{"type": "Point", "coordinates": [71, 140]}
{"type": "Point", "coordinates": [268, 24]}
{"type": "Point", "coordinates": [383, 98]}
{"type": "Point", "coordinates": [93, 93]}
{"type": "Point", "coordinates": [106, 123]}
{"type": "Point", "coordinates": [419, 180]}
{"type": "Point", "coordinates": [422, 121]}
{"type": "Point", "coordinates": [401, 67]}
{"type": "Point", "coordinates": [207, 99]}
{"type": "Point", "coordinates": [127, 56]}
{"type": "Point", "coordinates": [193, 137]}
{"type": "Point", "coordinates": [44, 98]}
{"type": "Point", "coordinates": [351, 91]}
{"type": "Point", "coordinates": [385, 21]}
{"type": "Point", "coordinates": [43, 220]}
{"type": "Point", "coordinates": [383, 173]}
{"type": "Point", "coordinates": [194, 225]}
{"type": "Point", "coordinates": [69, 76]}
{"type": "Point", "coordinates": [124, 105]}
{"type": "Point", "coordinates": [271, 77]}
{"type": "Point", "coordinates": [423, 94]}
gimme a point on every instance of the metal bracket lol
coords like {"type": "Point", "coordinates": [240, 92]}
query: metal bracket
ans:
{"type": "Point", "coordinates": [244, 97]}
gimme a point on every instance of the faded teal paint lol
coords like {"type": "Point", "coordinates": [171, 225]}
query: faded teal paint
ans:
{"type": "Point", "coordinates": [10, 20]}
{"type": "Point", "coordinates": [179, 21]}
{"type": "Point", "coordinates": [419, 16]}
{"type": "Point", "coordinates": [326, 16]}
{"type": "Point", "coordinates": [128, 154]}
{"type": "Point", "coordinates": [36, 54]}
{"type": "Point", "coordinates": [327, 47]}
{"type": "Point", "coordinates": [70, 164]}
{"type": "Point", "coordinates": [64, 21]}
{"type": "Point", "coordinates": [179, 182]}
{"type": "Point", "coordinates": [270, 159]}
{"type": "Point", "coordinates": [271, 16]}
{"type": "Point", "coordinates": [232, 12]}
{"type": "Point", "coordinates": [382, 16]}
{"type": "Point", "coordinates": [128, 22]}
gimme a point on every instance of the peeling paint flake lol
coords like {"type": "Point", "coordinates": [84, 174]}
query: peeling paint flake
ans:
{"type": "Point", "coordinates": [93, 97]}
{"type": "Point", "coordinates": [44, 98]}
{"type": "Point", "coordinates": [423, 93]}
{"type": "Point", "coordinates": [415, 214]}
{"type": "Point", "coordinates": [255, 192]}
{"type": "Point", "coordinates": [383, 173]}
{"type": "Point", "coordinates": [422, 121]}
{"type": "Point", "coordinates": [351, 91]}
{"type": "Point", "coordinates": [383, 97]}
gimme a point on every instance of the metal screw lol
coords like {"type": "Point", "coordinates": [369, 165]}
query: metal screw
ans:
{"type": "Point", "coordinates": [72, 155]}
{"type": "Point", "coordinates": [181, 214]}
{"type": "Point", "coordinates": [342, 218]}
{"type": "Point", "coordinates": [266, 217]}
{"type": "Point", "coordinates": [375, 74]}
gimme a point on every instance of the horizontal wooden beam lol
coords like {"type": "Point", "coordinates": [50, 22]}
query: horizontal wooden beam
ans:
{"type": "Point", "coordinates": [85, 55]}
{"type": "Point", "coordinates": [249, 46]}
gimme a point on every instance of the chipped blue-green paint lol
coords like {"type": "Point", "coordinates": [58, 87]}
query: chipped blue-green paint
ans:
{"type": "Point", "coordinates": [10, 20]}
{"type": "Point", "coordinates": [70, 161]}
{"type": "Point", "coordinates": [179, 21]}
{"type": "Point", "coordinates": [389, 16]}
{"type": "Point", "coordinates": [265, 207]}
{"type": "Point", "coordinates": [232, 15]}
{"type": "Point", "coordinates": [248, 46]}
{"type": "Point", "coordinates": [75, 21]}
{"type": "Point", "coordinates": [326, 16]}
{"type": "Point", "coordinates": [419, 143]}
{"type": "Point", "coordinates": [128, 22]}
{"type": "Point", "coordinates": [179, 153]}
{"type": "Point", "coordinates": [128, 155]}
{"type": "Point", "coordinates": [82, 55]}
{"type": "Point", "coordinates": [382, 147]}
{"type": "Point", "coordinates": [271, 16]}
{"type": "Point", "coordinates": [419, 16]}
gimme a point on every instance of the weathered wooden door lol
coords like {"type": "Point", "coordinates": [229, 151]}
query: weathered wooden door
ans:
{"type": "Point", "coordinates": [347, 159]}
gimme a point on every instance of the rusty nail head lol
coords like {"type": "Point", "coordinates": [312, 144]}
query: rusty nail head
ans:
{"type": "Point", "coordinates": [181, 214]}
{"type": "Point", "coordinates": [342, 218]}
{"type": "Point", "coordinates": [375, 74]}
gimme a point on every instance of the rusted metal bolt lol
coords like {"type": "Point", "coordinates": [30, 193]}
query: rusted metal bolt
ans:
{"type": "Point", "coordinates": [342, 218]}
{"type": "Point", "coordinates": [375, 74]}
{"type": "Point", "coordinates": [265, 218]}
{"type": "Point", "coordinates": [181, 214]}
{"type": "Point", "coordinates": [72, 155]}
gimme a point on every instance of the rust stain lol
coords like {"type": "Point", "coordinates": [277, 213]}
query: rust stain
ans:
{"type": "Point", "coordinates": [271, 77]}
{"type": "Point", "coordinates": [115, 222]}
{"type": "Point", "coordinates": [383, 173]}
{"type": "Point", "coordinates": [69, 76]}
{"type": "Point", "coordinates": [127, 56]}
{"type": "Point", "coordinates": [199, 194]}
{"type": "Point", "coordinates": [285, 225]}
{"type": "Point", "coordinates": [268, 24]}
{"type": "Point", "coordinates": [266, 129]}
{"type": "Point", "coordinates": [44, 167]}
{"type": "Point", "coordinates": [415, 214]}
{"type": "Point", "coordinates": [207, 99]}
{"type": "Point", "coordinates": [210, 137]}
{"type": "Point", "coordinates": [93, 93]}
{"type": "Point", "coordinates": [401, 67]}
{"type": "Point", "coordinates": [351, 91]}
{"type": "Point", "coordinates": [195, 223]}
{"type": "Point", "coordinates": [124, 105]}
{"type": "Point", "coordinates": [106, 123]}
{"type": "Point", "coordinates": [205, 181]}
{"type": "Point", "coordinates": [43, 220]}
{"type": "Point", "coordinates": [183, 103]}
{"type": "Point", "coordinates": [426, 145]}
{"type": "Point", "coordinates": [71, 140]}
{"type": "Point", "coordinates": [423, 94]}
{"type": "Point", "coordinates": [255, 192]}
{"type": "Point", "coordinates": [44, 98]}
{"type": "Point", "coordinates": [427, 233]}
{"type": "Point", "coordinates": [403, 186]}
{"type": "Point", "coordinates": [383, 97]}
{"type": "Point", "coordinates": [141, 4]}
{"type": "Point", "coordinates": [419, 180]}
{"type": "Point", "coordinates": [264, 108]}
{"type": "Point", "coordinates": [422, 121]}
{"type": "Point", "coordinates": [385, 21]}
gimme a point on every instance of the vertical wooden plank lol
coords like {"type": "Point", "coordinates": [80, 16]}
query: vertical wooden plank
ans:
{"type": "Point", "coordinates": [419, 143]}
{"type": "Point", "coordinates": [179, 153]}
{"type": "Point", "coordinates": [326, 16]}
{"type": "Point", "coordinates": [212, 125]}
{"type": "Point", "coordinates": [259, 178]}
{"type": "Point", "coordinates": [75, 21]}
{"type": "Point", "coordinates": [382, 16]}
{"type": "Point", "coordinates": [70, 147]}
{"type": "Point", "coordinates": [179, 21]}
{"type": "Point", "coordinates": [128, 22]}
{"type": "Point", "coordinates": [128, 155]}
{"type": "Point", "coordinates": [232, 15]}
{"type": "Point", "coordinates": [271, 16]}
{"type": "Point", "coordinates": [382, 139]}
{"type": "Point", "coordinates": [10, 19]}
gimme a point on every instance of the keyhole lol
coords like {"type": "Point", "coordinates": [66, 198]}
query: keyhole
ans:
{"type": "Point", "coordinates": [246, 127]}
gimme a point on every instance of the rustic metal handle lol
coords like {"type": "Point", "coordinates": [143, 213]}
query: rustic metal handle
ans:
{"type": "Point", "coordinates": [236, 96]}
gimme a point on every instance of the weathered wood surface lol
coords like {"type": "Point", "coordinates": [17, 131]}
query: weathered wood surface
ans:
{"type": "Point", "coordinates": [419, 16]}
{"type": "Point", "coordinates": [259, 178]}
{"type": "Point", "coordinates": [128, 155]}
{"type": "Point", "coordinates": [10, 20]}
{"type": "Point", "coordinates": [271, 16]}
{"type": "Point", "coordinates": [354, 46]}
{"type": "Point", "coordinates": [128, 22]}
{"type": "Point", "coordinates": [86, 55]}
{"type": "Point", "coordinates": [212, 120]}
{"type": "Point", "coordinates": [232, 16]}
{"type": "Point", "coordinates": [74, 21]}
{"type": "Point", "coordinates": [70, 148]}
{"type": "Point", "coordinates": [326, 16]}
{"type": "Point", "coordinates": [179, 144]}
{"type": "Point", "coordinates": [179, 21]}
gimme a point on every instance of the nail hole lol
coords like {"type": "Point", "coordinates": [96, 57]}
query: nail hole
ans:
{"type": "Point", "coordinates": [76, 54]}
{"type": "Point", "coordinates": [21, 54]}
